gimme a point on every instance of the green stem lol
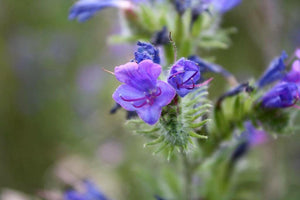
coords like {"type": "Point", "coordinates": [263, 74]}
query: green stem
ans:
{"type": "Point", "coordinates": [188, 175]}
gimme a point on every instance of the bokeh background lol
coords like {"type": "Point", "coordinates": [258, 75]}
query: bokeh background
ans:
{"type": "Point", "coordinates": [55, 126]}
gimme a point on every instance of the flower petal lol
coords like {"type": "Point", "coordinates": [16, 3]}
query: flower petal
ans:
{"type": "Point", "coordinates": [150, 114]}
{"type": "Point", "coordinates": [296, 65]}
{"type": "Point", "coordinates": [167, 94]}
{"type": "Point", "coordinates": [152, 70]}
{"type": "Point", "coordinates": [141, 76]}
{"type": "Point", "coordinates": [274, 72]}
{"type": "Point", "coordinates": [129, 93]}
{"type": "Point", "coordinates": [85, 9]}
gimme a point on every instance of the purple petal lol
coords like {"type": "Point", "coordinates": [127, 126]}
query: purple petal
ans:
{"type": "Point", "coordinates": [152, 70]}
{"type": "Point", "coordinates": [141, 76]}
{"type": "Point", "coordinates": [296, 66]}
{"type": "Point", "coordinates": [129, 93]}
{"type": "Point", "coordinates": [297, 53]}
{"type": "Point", "coordinates": [167, 94]}
{"type": "Point", "coordinates": [225, 5]}
{"type": "Point", "coordinates": [85, 9]}
{"type": "Point", "coordinates": [150, 114]}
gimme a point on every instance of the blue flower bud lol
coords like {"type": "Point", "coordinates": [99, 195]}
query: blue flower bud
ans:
{"type": "Point", "coordinates": [146, 51]}
{"type": "Point", "coordinates": [281, 95]}
{"type": "Point", "coordinates": [275, 71]}
{"type": "Point", "coordinates": [209, 67]}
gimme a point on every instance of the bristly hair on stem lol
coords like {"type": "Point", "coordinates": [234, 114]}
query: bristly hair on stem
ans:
{"type": "Point", "coordinates": [174, 46]}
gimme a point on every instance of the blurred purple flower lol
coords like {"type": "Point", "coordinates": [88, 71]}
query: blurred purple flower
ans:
{"type": "Point", "coordinates": [209, 67]}
{"type": "Point", "coordinates": [184, 76]}
{"type": "Point", "coordinates": [274, 72]}
{"type": "Point", "coordinates": [146, 51]}
{"type": "Point", "coordinates": [297, 53]}
{"type": "Point", "coordinates": [181, 5]}
{"type": "Point", "coordinates": [91, 193]}
{"type": "Point", "coordinates": [141, 91]}
{"type": "Point", "coordinates": [223, 6]}
{"type": "Point", "coordinates": [249, 138]}
{"type": "Point", "coordinates": [294, 75]}
{"type": "Point", "coordinates": [85, 9]}
{"type": "Point", "coordinates": [253, 135]}
{"type": "Point", "coordinates": [281, 95]}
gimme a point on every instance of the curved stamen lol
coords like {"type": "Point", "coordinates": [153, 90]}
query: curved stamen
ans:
{"type": "Point", "coordinates": [189, 87]}
{"type": "Point", "coordinates": [197, 85]}
{"type": "Point", "coordinates": [190, 77]}
{"type": "Point", "coordinates": [139, 106]}
{"type": "Point", "coordinates": [173, 75]}
{"type": "Point", "coordinates": [129, 100]}
{"type": "Point", "coordinates": [159, 92]}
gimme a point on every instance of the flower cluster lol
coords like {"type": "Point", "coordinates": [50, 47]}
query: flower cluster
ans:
{"type": "Point", "coordinates": [286, 92]}
{"type": "Point", "coordinates": [141, 90]}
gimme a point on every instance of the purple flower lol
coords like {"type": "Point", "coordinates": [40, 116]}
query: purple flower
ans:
{"type": "Point", "coordinates": [281, 95]}
{"type": "Point", "coordinates": [294, 75]}
{"type": "Point", "coordinates": [250, 137]}
{"type": "Point", "coordinates": [275, 71]}
{"type": "Point", "coordinates": [85, 9]}
{"type": "Point", "coordinates": [141, 91]}
{"type": "Point", "coordinates": [297, 53]}
{"type": "Point", "coordinates": [146, 51]}
{"type": "Point", "coordinates": [223, 6]}
{"type": "Point", "coordinates": [184, 76]}
{"type": "Point", "coordinates": [90, 193]}
{"type": "Point", "coordinates": [253, 135]}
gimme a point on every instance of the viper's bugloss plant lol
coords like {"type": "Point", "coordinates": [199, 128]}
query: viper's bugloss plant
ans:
{"type": "Point", "coordinates": [167, 99]}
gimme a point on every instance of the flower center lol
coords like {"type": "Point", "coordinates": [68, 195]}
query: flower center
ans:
{"type": "Point", "coordinates": [149, 98]}
{"type": "Point", "coordinates": [184, 84]}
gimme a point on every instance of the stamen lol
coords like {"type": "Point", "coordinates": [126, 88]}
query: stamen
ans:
{"type": "Point", "coordinates": [110, 72]}
{"type": "Point", "coordinates": [139, 106]}
{"type": "Point", "coordinates": [174, 75]}
{"type": "Point", "coordinates": [204, 83]}
{"type": "Point", "coordinates": [190, 87]}
{"type": "Point", "coordinates": [190, 77]}
{"type": "Point", "coordinates": [159, 92]}
{"type": "Point", "coordinates": [129, 100]}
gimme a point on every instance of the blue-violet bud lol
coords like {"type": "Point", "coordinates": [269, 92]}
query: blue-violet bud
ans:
{"type": "Point", "coordinates": [146, 51]}
{"type": "Point", "coordinates": [281, 95]}
{"type": "Point", "coordinates": [184, 76]}
{"type": "Point", "coordinates": [274, 72]}
{"type": "Point", "coordinates": [209, 67]}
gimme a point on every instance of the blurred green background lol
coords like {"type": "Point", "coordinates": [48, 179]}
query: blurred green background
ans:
{"type": "Point", "coordinates": [55, 125]}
